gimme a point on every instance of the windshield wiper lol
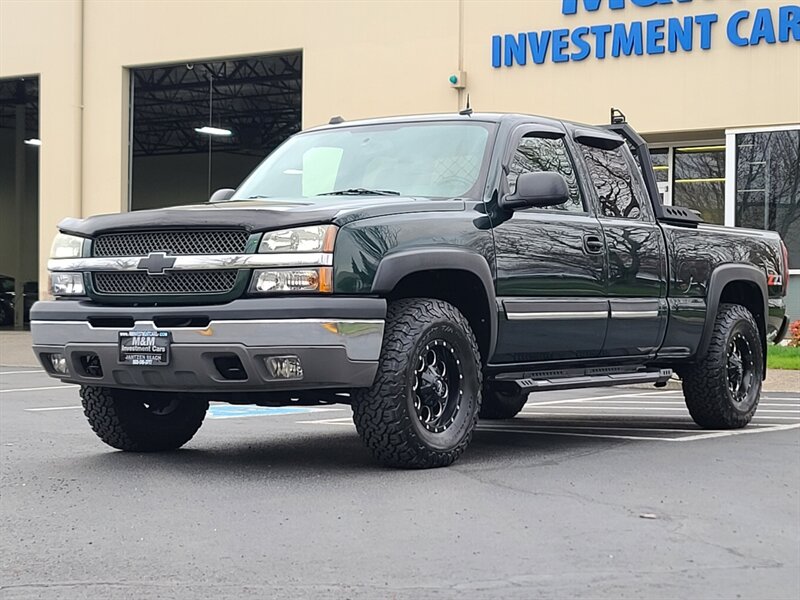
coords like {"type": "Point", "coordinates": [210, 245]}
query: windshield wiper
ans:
{"type": "Point", "coordinates": [361, 192]}
{"type": "Point", "coordinates": [256, 197]}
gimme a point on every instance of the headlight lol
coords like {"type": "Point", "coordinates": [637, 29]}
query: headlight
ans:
{"type": "Point", "coordinates": [67, 284]}
{"type": "Point", "coordinates": [317, 238]}
{"type": "Point", "coordinates": [67, 246]}
{"type": "Point", "coordinates": [271, 281]}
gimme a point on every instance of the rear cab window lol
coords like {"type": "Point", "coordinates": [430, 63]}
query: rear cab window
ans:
{"type": "Point", "coordinates": [617, 183]}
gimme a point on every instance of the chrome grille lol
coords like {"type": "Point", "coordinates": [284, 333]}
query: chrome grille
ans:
{"type": "Point", "coordinates": [173, 282]}
{"type": "Point", "coordinates": [172, 242]}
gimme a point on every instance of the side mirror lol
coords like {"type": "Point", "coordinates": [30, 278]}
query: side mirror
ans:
{"type": "Point", "coordinates": [537, 190]}
{"type": "Point", "coordinates": [222, 195]}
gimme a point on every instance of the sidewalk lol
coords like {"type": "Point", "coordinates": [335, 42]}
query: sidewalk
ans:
{"type": "Point", "coordinates": [15, 351]}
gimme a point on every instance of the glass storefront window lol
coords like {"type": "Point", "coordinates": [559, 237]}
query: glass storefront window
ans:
{"type": "Point", "coordinates": [660, 158]}
{"type": "Point", "coordinates": [699, 181]}
{"type": "Point", "coordinates": [768, 185]}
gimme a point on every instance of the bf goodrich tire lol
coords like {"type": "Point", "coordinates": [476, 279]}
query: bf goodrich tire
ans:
{"type": "Point", "coordinates": [423, 405]}
{"type": "Point", "coordinates": [501, 404]}
{"type": "Point", "coordinates": [137, 421]}
{"type": "Point", "coordinates": [723, 389]}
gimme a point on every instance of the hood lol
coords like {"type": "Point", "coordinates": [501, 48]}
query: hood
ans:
{"type": "Point", "coordinates": [257, 215]}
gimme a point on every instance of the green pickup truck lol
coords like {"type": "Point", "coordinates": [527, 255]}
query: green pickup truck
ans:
{"type": "Point", "coordinates": [428, 271]}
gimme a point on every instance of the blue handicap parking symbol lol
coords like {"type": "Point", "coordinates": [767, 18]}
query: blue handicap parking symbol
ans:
{"type": "Point", "coordinates": [229, 411]}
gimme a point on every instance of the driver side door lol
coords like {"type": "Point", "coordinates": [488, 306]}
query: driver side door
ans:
{"type": "Point", "coordinates": [551, 262]}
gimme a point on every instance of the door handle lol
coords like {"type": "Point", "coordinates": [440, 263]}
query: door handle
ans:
{"type": "Point", "coordinates": [593, 244]}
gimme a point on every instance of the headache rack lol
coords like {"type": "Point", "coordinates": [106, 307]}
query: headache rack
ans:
{"type": "Point", "coordinates": [674, 215]}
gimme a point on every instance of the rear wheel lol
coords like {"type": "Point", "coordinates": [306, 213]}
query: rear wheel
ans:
{"type": "Point", "coordinates": [138, 421]}
{"type": "Point", "coordinates": [723, 389]}
{"type": "Point", "coordinates": [422, 408]}
{"type": "Point", "coordinates": [502, 403]}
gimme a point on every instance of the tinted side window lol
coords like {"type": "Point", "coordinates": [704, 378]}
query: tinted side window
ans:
{"type": "Point", "coordinates": [536, 154]}
{"type": "Point", "coordinates": [619, 192]}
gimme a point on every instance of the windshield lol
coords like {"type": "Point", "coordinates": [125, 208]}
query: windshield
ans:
{"type": "Point", "coordinates": [433, 159]}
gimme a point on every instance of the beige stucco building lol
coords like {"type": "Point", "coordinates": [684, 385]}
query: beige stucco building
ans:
{"type": "Point", "coordinates": [699, 104]}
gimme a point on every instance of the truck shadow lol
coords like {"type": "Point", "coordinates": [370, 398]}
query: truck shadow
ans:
{"type": "Point", "coordinates": [316, 453]}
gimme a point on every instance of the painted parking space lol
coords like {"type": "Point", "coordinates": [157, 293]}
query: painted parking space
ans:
{"type": "Point", "coordinates": [650, 416]}
{"type": "Point", "coordinates": [659, 416]}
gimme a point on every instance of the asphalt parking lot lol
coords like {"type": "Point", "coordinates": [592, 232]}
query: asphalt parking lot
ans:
{"type": "Point", "coordinates": [603, 493]}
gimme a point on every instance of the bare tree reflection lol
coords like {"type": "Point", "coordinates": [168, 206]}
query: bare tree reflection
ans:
{"type": "Point", "coordinates": [537, 154]}
{"type": "Point", "coordinates": [611, 175]}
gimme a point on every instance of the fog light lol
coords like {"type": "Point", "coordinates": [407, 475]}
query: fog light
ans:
{"type": "Point", "coordinates": [59, 363]}
{"type": "Point", "coordinates": [284, 367]}
{"type": "Point", "coordinates": [67, 284]}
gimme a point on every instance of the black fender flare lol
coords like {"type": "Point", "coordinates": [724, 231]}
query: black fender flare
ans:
{"type": "Point", "coordinates": [722, 276]}
{"type": "Point", "coordinates": [393, 267]}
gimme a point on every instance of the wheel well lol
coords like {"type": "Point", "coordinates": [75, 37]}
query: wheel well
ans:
{"type": "Point", "coordinates": [748, 295]}
{"type": "Point", "coordinates": [462, 289]}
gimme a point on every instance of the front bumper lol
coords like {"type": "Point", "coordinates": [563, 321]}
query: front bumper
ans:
{"type": "Point", "coordinates": [338, 341]}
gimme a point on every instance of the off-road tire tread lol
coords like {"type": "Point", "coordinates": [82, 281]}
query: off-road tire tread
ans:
{"type": "Point", "coordinates": [109, 423]}
{"type": "Point", "coordinates": [705, 384]}
{"type": "Point", "coordinates": [379, 413]}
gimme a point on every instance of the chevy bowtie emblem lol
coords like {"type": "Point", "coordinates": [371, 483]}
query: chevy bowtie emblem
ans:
{"type": "Point", "coordinates": [156, 262]}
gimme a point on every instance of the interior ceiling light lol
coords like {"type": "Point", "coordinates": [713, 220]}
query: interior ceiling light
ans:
{"type": "Point", "coordinates": [208, 130]}
{"type": "Point", "coordinates": [33, 142]}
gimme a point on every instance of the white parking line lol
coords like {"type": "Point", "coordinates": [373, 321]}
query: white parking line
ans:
{"type": "Point", "coordinates": [573, 415]}
{"type": "Point", "coordinates": [534, 425]}
{"type": "Point", "coordinates": [338, 421]}
{"type": "Point", "coordinates": [20, 372]}
{"type": "Point", "coordinates": [33, 389]}
{"type": "Point", "coordinates": [705, 436]}
{"type": "Point", "coordinates": [572, 434]}
{"type": "Point", "coordinates": [52, 408]}
{"type": "Point", "coordinates": [685, 438]}
{"type": "Point", "coordinates": [682, 409]}
{"type": "Point", "coordinates": [611, 397]}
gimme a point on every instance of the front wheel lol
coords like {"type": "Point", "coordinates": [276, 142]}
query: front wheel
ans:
{"type": "Point", "coordinates": [137, 421]}
{"type": "Point", "coordinates": [423, 405]}
{"type": "Point", "coordinates": [723, 389]}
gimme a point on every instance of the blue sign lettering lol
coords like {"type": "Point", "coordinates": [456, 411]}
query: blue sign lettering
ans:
{"type": "Point", "coordinates": [655, 36]}
{"type": "Point", "coordinates": [626, 41]}
{"type": "Point", "coordinates": [762, 27]}
{"type": "Point", "coordinates": [652, 37]}
{"type": "Point", "coordinates": [570, 7]}
{"type": "Point", "coordinates": [680, 33]}
{"type": "Point", "coordinates": [789, 23]}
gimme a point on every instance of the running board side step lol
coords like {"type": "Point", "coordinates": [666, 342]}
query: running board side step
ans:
{"type": "Point", "coordinates": [659, 378]}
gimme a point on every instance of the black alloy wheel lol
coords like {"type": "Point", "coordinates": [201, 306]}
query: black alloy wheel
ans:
{"type": "Point", "coordinates": [437, 386]}
{"type": "Point", "coordinates": [741, 371]}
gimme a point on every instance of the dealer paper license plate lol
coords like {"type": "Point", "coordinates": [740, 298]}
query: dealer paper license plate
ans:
{"type": "Point", "coordinates": [146, 348]}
